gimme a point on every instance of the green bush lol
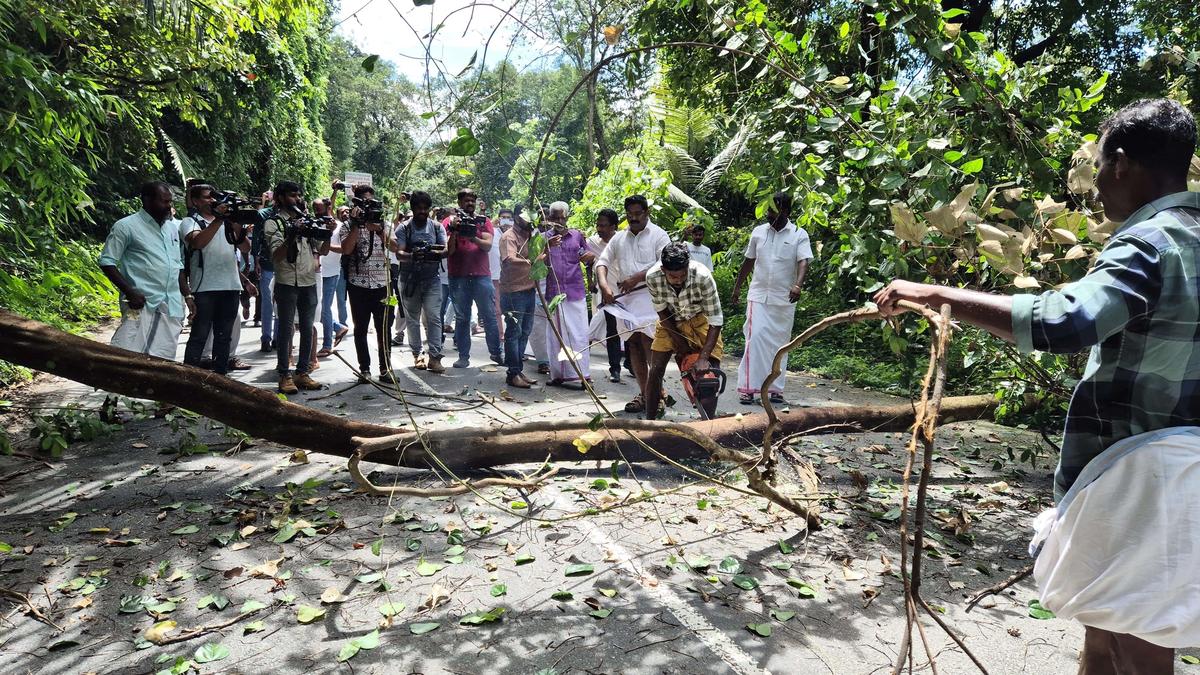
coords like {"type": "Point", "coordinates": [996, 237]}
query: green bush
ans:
{"type": "Point", "coordinates": [55, 282]}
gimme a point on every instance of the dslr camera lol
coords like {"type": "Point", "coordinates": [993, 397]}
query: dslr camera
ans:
{"type": "Point", "coordinates": [468, 225]}
{"type": "Point", "coordinates": [370, 211]}
{"type": "Point", "coordinates": [234, 208]}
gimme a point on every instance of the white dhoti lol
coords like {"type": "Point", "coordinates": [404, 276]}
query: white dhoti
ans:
{"type": "Point", "coordinates": [570, 318]}
{"type": "Point", "coordinates": [767, 328]}
{"type": "Point", "coordinates": [148, 331]}
{"type": "Point", "coordinates": [538, 335]}
{"type": "Point", "coordinates": [235, 338]}
{"type": "Point", "coordinates": [1118, 552]}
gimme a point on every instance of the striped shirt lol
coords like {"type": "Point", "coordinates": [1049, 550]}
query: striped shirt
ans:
{"type": "Point", "coordinates": [698, 295]}
{"type": "Point", "coordinates": [1138, 309]}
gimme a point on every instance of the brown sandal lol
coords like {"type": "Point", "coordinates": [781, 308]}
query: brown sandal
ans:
{"type": "Point", "coordinates": [637, 405]}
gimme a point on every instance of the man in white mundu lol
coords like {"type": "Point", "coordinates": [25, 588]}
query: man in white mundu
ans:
{"type": "Point", "coordinates": [143, 259]}
{"type": "Point", "coordinates": [621, 276]}
{"type": "Point", "coordinates": [778, 253]}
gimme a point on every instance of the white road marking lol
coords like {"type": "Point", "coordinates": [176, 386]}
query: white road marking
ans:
{"type": "Point", "coordinates": [712, 637]}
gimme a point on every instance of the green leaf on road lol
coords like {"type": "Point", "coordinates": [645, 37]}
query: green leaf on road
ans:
{"type": "Point", "coordinates": [479, 618]}
{"type": "Point", "coordinates": [762, 629]}
{"type": "Point", "coordinates": [253, 627]}
{"type": "Point", "coordinates": [187, 529]}
{"type": "Point", "coordinates": [600, 613]}
{"type": "Point", "coordinates": [745, 582]}
{"type": "Point", "coordinates": [578, 570]}
{"type": "Point", "coordinates": [562, 596]}
{"type": "Point", "coordinates": [806, 591]}
{"type": "Point", "coordinates": [428, 569]}
{"type": "Point", "coordinates": [377, 547]}
{"type": "Point", "coordinates": [1038, 612]}
{"type": "Point", "coordinates": [218, 601]}
{"type": "Point", "coordinates": [308, 614]}
{"type": "Point", "coordinates": [730, 565]}
{"type": "Point", "coordinates": [785, 548]}
{"type": "Point", "coordinates": [213, 651]}
{"type": "Point", "coordinates": [524, 559]}
{"type": "Point", "coordinates": [781, 615]}
{"type": "Point", "coordinates": [391, 608]}
{"type": "Point", "coordinates": [499, 590]}
{"type": "Point", "coordinates": [251, 605]}
{"type": "Point", "coordinates": [423, 628]}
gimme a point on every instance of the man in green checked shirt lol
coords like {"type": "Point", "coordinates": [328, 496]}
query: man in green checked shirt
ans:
{"type": "Point", "coordinates": [1125, 565]}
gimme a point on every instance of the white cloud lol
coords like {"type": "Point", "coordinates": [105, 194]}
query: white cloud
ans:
{"type": "Point", "coordinates": [463, 29]}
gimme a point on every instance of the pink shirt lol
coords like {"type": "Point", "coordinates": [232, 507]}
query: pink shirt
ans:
{"type": "Point", "coordinates": [469, 260]}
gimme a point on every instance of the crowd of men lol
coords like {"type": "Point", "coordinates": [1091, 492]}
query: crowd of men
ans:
{"type": "Point", "coordinates": [1114, 553]}
{"type": "Point", "coordinates": [302, 263]}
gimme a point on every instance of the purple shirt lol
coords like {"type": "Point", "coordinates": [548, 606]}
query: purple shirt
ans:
{"type": "Point", "coordinates": [566, 274]}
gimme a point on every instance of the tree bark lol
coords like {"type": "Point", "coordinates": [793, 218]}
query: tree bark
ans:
{"type": "Point", "coordinates": [262, 414]}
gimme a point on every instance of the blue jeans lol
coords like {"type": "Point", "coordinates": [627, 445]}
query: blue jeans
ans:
{"type": "Point", "coordinates": [476, 290]}
{"type": "Point", "coordinates": [517, 308]}
{"type": "Point", "coordinates": [268, 308]}
{"type": "Point", "coordinates": [329, 287]}
{"type": "Point", "coordinates": [343, 315]}
{"type": "Point", "coordinates": [292, 301]}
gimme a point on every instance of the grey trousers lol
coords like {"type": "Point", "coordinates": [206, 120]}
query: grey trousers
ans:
{"type": "Point", "coordinates": [424, 304]}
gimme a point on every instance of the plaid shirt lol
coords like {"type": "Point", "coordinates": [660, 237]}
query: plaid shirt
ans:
{"type": "Point", "coordinates": [1138, 308]}
{"type": "Point", "coordinates": [699, 294]}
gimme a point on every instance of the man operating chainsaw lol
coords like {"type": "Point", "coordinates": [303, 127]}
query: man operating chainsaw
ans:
{"type": "Point", "coordinates": [684, 294]}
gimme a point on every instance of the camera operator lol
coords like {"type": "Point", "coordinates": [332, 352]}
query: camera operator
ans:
{"type": "Point", "coordinates": [365, 244]}
{"type": "Point", "coordinates": [294, 243]}
{"type": "Point", "coordinates": [470, 239]}
{"type": "Point", "coordinates": [212, 238]}
{"type": "Point", "coordinates": [264, 314]}
{"type": "Point", "coordinates": [422, 245]}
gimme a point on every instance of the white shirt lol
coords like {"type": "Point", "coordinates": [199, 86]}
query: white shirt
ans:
{"type": "Point", "coordinates": [627, 253]}
{"type": "Point", "coordinates": [701, 254]}
{"type": "Point", "coordinates": [494, 255]}
{"type": "Point", "coordinates": [220, 266]}
{"type": "Point", "coordinates": [331, 263]}
{"type": "Point", "coordinates": [775, 255]}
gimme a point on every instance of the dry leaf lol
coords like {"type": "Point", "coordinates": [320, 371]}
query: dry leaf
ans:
{"type": "Point", "coordinates": [84, 602]}
{"type": "Point", "coordinates": [905, 224]}
{"type": "Point", "coordinates": [437, 596]}
{"type": "Point", "coordinates": [239, 546]}
{"type": "Point", "coordinates": [613, 33]}
{"type": "Point", "coordinates": [1026, 282]}
{"type": "Point", "coordinates": [268, 569]}
{"type": "Point", "coordinates": [139, 446]}
{"type": "Point", "coordinates": [331, 595]}
{"type": "Point", "coordinates": [158, 632]}
{"type": "Point", "coordinates": [990, 233]}
{"type": "Point", "coordinates": [247, 531]}
{"type": "Point", "coordinates": [1076, 252]}
{"type": "Point", "coordinates": [299, 457]}
{"type": "Point", "coordinates": [999, 487]}
{"type": "Point", "coordinates": [1063, 236]}
{"type": "Point", "coordinates": [1081, 178]}
{"type": "Point", "coordinates": [852, 574]}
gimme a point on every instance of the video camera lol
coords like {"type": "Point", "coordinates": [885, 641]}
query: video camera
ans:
{"type": "Point", "coordinates": [370, 211]}
{"type": "Point", "coordinates": [233, 208]}
{"type": "Point", "coordinates": [309, 227]}
{"type": "Point", "coordinates": [468, 225]}
{"type": "Point", "coordinates": [305, 226]}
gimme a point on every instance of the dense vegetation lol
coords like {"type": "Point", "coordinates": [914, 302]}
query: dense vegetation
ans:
{"type": "Point", "coordinates": [945, 141]}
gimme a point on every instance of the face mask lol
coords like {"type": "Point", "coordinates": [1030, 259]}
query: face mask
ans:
{"type": "Point", "coordinates": [506, 222]}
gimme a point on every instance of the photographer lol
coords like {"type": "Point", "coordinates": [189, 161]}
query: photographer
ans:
{"type": "Point", "coordinates": [365, 244]}
{"type": "Point", "coordinates": [264, 313]}
{"type": "Point", "coordinates": [213, 236]}
{"type": "Point", "coordinates": [470, 239]}
{"type": "Point", "coordinates": [422, 245]}
{"type": "Point", "coordinates": [294, 242]}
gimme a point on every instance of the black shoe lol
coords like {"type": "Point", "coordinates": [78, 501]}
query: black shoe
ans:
{"type": "Point", "coordinates": [497, 359]}
{"type": "Point", "coordinates": [397, 342]}
{"type": "Point", "coordinates": [614, 376]}
{"type": "Point", "coordinates": [206, 364]}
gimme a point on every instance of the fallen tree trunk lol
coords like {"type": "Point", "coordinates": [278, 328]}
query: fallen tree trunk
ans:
{"type": "Point", "coordinates": [262, 414]}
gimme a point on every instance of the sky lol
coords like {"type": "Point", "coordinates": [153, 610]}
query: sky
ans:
{"type": "Point", "coordinates": [377, 27]}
